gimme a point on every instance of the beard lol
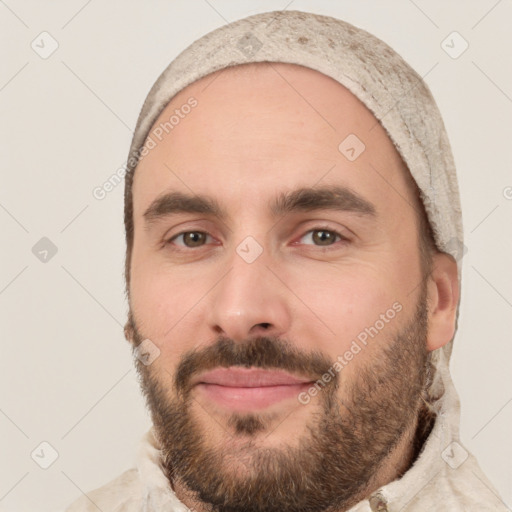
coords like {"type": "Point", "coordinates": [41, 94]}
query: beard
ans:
{"type": "Point", "coordinates": [339, 449]}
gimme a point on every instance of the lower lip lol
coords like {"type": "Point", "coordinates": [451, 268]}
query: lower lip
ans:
{"type": "Point", "coordinates": [248, 399]}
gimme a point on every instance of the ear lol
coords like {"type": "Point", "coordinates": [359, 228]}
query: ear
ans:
{"type": "Point", "coordinates": [443, 297]}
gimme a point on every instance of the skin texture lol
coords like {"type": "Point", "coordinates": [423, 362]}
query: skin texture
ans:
{"type": "Point", "coordinates": [258, 131]}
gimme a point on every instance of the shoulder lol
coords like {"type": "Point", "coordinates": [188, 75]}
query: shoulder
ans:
{"type": "Point", "coordinates": [122, 494]}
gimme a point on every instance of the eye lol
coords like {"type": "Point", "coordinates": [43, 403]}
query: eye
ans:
{"type": "Point", "coordinates": [323, 237]}
{"type": "Point", "coordinates": [189, 239]}
{"type": "Point", "coordinates": [320, 237]}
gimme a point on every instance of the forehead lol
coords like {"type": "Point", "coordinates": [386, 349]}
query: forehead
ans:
{"type": "Point", "coordinates": [261, 127]}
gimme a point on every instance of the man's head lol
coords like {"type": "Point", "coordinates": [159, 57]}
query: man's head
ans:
{"type": "Point", "coordinates": [279, 252]}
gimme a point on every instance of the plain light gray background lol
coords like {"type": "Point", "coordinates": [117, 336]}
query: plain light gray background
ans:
{"type": "Point", "coordinates": [67, 377]}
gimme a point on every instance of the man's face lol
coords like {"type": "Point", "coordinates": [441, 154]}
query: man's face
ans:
{"type": "Point", "coordinates": [292, 328]}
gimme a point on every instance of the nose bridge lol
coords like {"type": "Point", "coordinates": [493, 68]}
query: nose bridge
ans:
{"type": "Point", "coordinates": [248, 298]}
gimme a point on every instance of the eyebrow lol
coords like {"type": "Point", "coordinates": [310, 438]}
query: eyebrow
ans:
{"type": "Point", "coordinates": [303, 199]}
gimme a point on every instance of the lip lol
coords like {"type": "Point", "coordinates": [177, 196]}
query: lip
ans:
{"type": "Point", "coordinates": [246, 389]}
{"type": "Point", "coordinates": [248, 377]}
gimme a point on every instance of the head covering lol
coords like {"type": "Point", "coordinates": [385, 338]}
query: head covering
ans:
{"type": "Point", "coordinates": [396, 95]}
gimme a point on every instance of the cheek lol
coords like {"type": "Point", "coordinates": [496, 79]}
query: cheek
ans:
{"type": "Point", "coordinates": [357, 313]}
{"type": "Point", "coordinates": [168, 308]}
{"type": "Point", "coordinates": [362, 315]}
{"type": "Point", "coordinates": [160, 301]}
{"type": "Point", "coordinates": [156, 298]}
{"type": "Point", "coordinates": [342, 303]}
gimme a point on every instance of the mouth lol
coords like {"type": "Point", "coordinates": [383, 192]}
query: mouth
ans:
{"type": "Point", "coordinates": [248, 389]}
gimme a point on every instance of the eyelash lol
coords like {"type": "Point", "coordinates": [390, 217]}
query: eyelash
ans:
{"type": "Point", "coordinates": [334, 245]}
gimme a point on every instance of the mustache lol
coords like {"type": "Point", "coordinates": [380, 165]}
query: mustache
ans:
{"type": "Point", "coordinates": [264, 352]}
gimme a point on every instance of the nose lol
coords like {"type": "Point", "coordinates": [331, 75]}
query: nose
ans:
{"type": "Point", "coordinates": [249, 301]}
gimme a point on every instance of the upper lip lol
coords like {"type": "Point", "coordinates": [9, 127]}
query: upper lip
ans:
{"type": "Point", "coordinates": [242, 377]}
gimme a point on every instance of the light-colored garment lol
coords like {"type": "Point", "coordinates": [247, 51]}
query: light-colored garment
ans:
{"type": "Point", "coordinates": [445, 477]}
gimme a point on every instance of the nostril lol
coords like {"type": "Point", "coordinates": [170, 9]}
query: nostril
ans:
{"type": "Point", "coordinates": [265, 325]}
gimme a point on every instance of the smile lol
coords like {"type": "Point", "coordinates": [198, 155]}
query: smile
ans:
{"type": "Point", "coordinates": [247, 389]}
